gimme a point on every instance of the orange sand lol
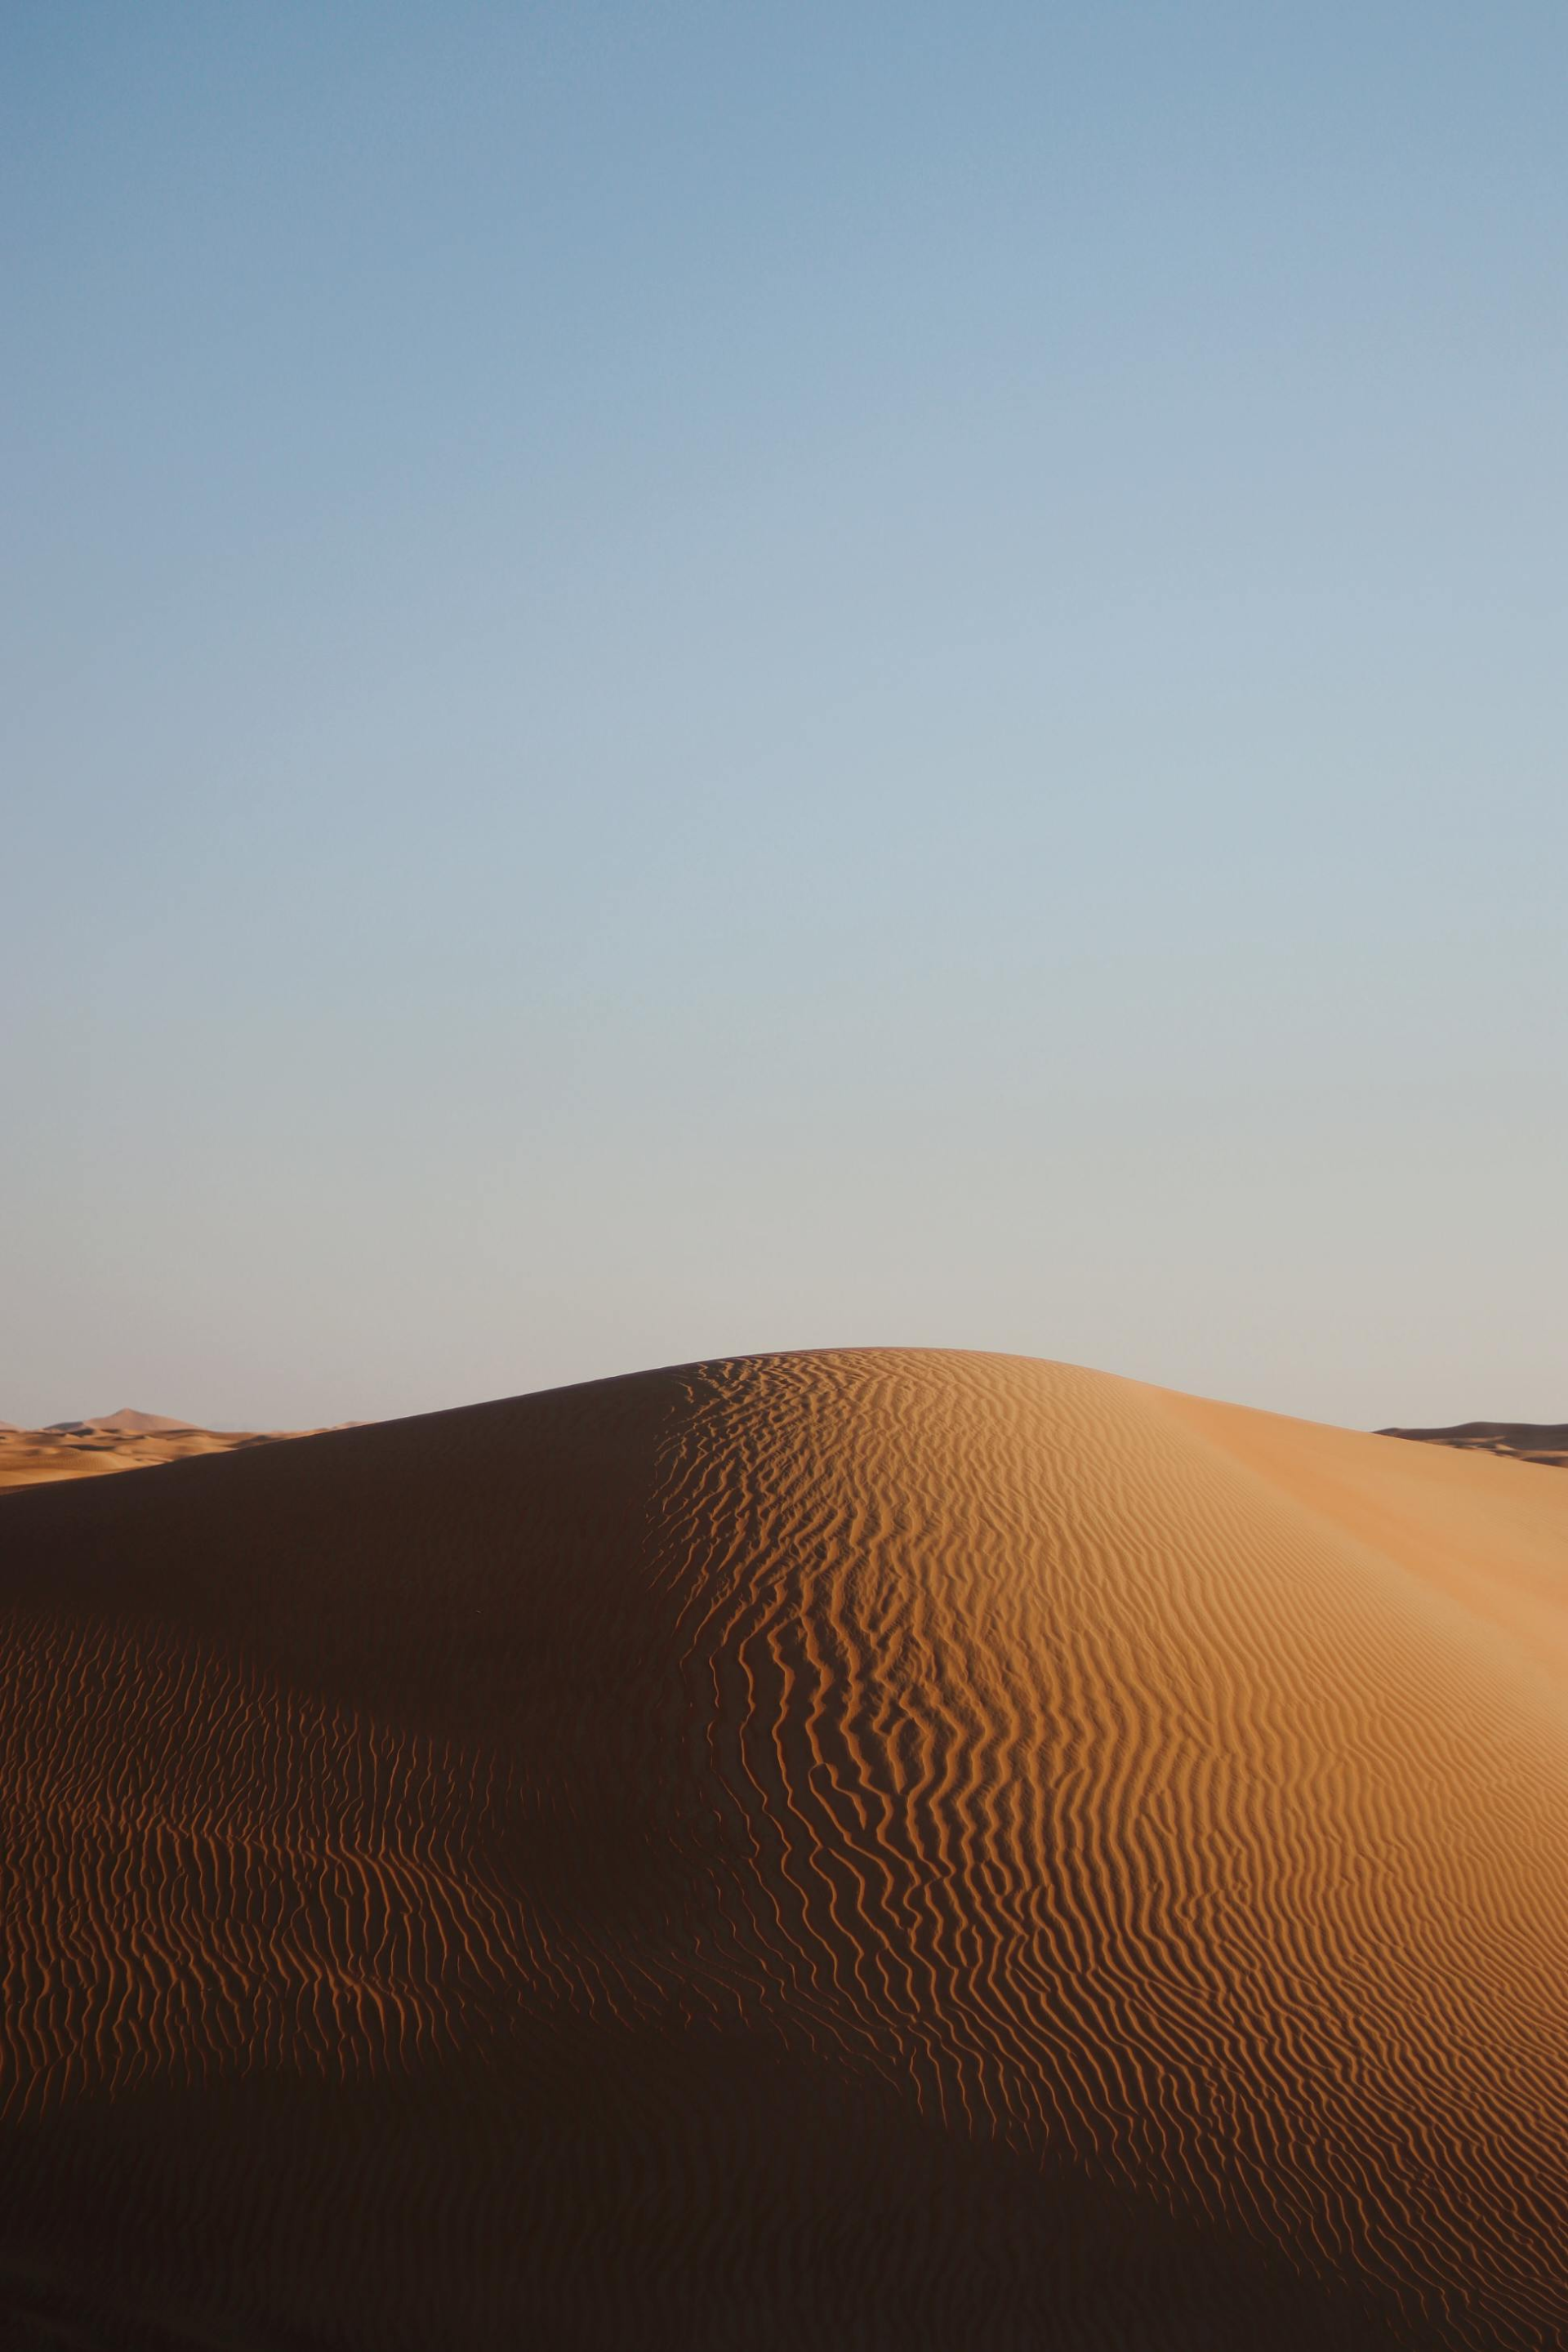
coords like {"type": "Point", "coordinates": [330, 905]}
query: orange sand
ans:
{"type": "Point", "coordinates": [806, 1853]}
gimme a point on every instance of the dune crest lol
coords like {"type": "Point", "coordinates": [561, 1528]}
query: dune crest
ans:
{"type": "Point", "coordinates": [876, 1848]}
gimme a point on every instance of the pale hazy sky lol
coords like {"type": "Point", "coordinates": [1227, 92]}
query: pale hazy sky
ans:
{"type": "Point", "coordinates": [687, 678]}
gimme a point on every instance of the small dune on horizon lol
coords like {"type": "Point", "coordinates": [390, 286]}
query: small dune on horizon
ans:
{"type": "Point", "coordinates": [131, 1420]}
{"type": "Point", "coordinates": [1523, 1441]}
{"type": "Point", "coordinates": [127, 1439]}
{"type": "Point", "coordinates": [811, 1852]}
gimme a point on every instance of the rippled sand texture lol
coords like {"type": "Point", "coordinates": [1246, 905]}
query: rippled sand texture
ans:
{"type": "Point", "coordinates": [842, 1851]}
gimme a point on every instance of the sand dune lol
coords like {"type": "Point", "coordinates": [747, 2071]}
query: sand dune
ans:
{"type": "Point", "coordinates": [126, 1440]}
{"type": "Point", "coordinates": [1526, 1440]}
{"type": "Point", "coordinates": [811, 1852]}
{"type": "Point", "coordinates": [133, 1421]}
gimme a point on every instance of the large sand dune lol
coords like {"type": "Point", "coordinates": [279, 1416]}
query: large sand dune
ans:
{"type": "Point", "coordinates": [812, 1852]}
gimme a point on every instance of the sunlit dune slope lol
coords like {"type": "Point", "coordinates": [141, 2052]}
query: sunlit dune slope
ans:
{"type": "Point", "coordinates": [810, 1852]}
{"type": "Point", "coordinates": [126, 1440]}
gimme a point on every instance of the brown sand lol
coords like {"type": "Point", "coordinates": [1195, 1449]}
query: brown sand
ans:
{"type": "Point", "coordinates": [126, 1440]}
{"type": "Point", "coordinates": [812, 1852]}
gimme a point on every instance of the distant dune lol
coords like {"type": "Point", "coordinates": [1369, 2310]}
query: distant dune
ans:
{"type": "Point", "coordinates": [800, 1854]}
{"type": "Point", "coordinates": [126, 1440]}
{"type": "Point", "coordinates": [130, 1420]}
{"type": "Point", "coordinates": [1526, 1440]}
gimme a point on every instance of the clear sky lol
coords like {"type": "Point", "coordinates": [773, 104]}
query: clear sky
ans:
{"type": "Point", "coordinates": [695, 678]}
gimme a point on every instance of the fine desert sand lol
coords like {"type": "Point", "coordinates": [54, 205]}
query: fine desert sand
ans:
{"type": "Point", "coordinates": [126, 1440]}
{"type": "Point", "coordinates": [806, 1852]}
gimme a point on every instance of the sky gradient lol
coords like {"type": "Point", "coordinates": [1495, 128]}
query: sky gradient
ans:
{"type": "Point", "coordinates": [693, 679]}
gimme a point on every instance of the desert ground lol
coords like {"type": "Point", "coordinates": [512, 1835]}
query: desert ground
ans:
{"type": "Point", "coordinates": [1524, 1441]}
{"type": "Point", "coordinates": [125, 1440]}
{"type": "Point", "coordinates": [807, 1852]}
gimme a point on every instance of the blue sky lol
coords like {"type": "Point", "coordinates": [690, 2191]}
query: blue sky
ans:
{"type": "Point", "coordinates": [693, 679]}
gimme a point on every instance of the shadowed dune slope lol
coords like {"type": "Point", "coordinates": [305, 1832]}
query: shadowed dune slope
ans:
{"type": "Point", "coordinates": [839, 1851]}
